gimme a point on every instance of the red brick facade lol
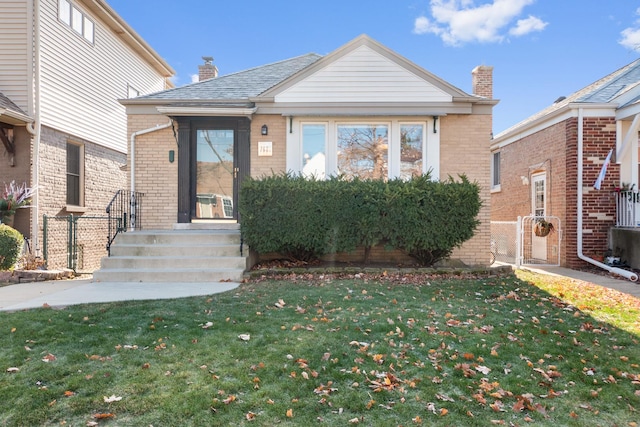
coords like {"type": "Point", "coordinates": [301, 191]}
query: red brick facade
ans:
{"type": "Point", "coordinates": [553, 151]}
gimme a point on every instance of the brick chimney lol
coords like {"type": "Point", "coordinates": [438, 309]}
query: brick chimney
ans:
{"type": "Point", "coordinates": [208, 70]}
{"type": "Point", "coordinates": [482, 81]}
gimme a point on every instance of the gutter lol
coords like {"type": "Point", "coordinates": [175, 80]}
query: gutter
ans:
{"type": "Point", "coordinates": [624, 273]}
{"type": "Point", "coordinates": [133, 149]}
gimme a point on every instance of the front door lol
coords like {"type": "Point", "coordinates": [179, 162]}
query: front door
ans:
{"type": "Point", "coordinates": [213, 159]}
{"type": "Point", "coordinates": [539, 208]}
{"type": "Point", "coordinates": [216, 171]}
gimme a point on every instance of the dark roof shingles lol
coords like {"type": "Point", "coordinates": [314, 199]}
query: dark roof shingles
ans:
{"type": "Point", "coordinates": [240, 85]}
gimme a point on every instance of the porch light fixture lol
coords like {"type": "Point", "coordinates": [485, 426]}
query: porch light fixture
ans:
{"type": "Point", "coordinates": [435, 121]}
{"type": "Point", "coordinates": [265, 130]}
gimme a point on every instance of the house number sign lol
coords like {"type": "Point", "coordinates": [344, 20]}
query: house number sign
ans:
{"type": "Point", "coordinates": [265, 148]}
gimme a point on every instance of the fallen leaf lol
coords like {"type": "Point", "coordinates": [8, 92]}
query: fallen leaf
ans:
{"type": "Point", "coordinates": [49, 358]}
{"type": "Point", "coordinates": [289, 413]}
{"type": "Point", "coordinates": [103, 416]}
{"type": "Point", "coordinates": [112, 398]}
{"type": "Point", "coordinates": [13, 370]}
{"type": "Point", "coordinates": [244, 337]}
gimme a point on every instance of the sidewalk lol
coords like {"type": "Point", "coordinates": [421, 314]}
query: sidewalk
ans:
{"type": "Point", "coordinates": [62, 293]}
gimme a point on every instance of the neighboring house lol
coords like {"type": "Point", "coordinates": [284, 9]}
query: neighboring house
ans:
{"type": "Point", "coordinates": [548, 165]}
{"type": "Point", "coordinates": [192, 146]}
{"type": "Point", "coordinates": [63, 66]}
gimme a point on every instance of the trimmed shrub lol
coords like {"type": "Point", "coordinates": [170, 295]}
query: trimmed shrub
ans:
{"type": "Point", "coordinates": [11, 241]}
{"type": "Point", "coordinates": [305, 219]}
{"type": "Point", "coordinates": [428, 219]}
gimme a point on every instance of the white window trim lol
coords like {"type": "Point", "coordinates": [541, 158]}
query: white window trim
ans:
{"type": "Point", "coordinates": [86, 32]}
{"type": "Point", "coordinates": [431, 146]}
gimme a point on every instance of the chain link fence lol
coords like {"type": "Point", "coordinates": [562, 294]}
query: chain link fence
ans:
{"type": "Point", "coordinates": [504, 241]}
{"type": "Point", "coordinates": [74, 242]}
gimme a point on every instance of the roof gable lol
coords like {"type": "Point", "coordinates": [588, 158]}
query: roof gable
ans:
{"type": "Point", "coordinates": [364, 71]}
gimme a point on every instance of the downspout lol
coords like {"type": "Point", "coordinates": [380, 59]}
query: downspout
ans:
{"type": "Point", "coordinates": [624, 273]}
{"type": "Point", "coordinates": [35, 128]}
{"type": "Point", "coordinates": [133, 149]}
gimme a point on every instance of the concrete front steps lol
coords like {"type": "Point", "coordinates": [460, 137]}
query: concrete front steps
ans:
{"type": "Point", "coordinates": [190, 253]}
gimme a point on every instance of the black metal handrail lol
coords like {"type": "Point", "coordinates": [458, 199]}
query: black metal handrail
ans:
{"type": "Point", "coordinates": [124, 213]}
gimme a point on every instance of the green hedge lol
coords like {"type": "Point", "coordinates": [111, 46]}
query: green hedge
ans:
{"type": "Point", "coordinates": [305, 219]}
{"type": "Point", "coordinates": [11, 241]}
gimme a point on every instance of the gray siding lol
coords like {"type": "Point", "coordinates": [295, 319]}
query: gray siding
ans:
{"type": "Point", "coordinates": [81, 82]}
{"type": "Point", "coordinates": [14, 51]}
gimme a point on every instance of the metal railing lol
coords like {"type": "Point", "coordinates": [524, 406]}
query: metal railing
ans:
{"type": "Point", "coordinates": [627, 209]}
{"type": "Point", "coordinates": [73, 242]}
{"type": "Point", "coordinates": [124, 213]}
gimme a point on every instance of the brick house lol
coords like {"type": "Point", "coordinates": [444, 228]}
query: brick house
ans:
{"type": "Point", "coordinates": [548, 164]}
{"type": "Point", "coordinates": [65, 64]}
{"type": "Point", "coordinates": [191, 146]}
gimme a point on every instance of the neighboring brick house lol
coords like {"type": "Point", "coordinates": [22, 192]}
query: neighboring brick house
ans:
{"type": "Point", "coordinates": [63, 66]}
{"type": "Point", "coordinates": [536, 166]}
{"type": "Point", "coordinates": [193, 145]}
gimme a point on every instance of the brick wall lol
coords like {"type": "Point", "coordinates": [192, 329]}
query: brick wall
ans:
{"type": "Point", "coordinates": [464, 148]}
{"type": "Point", "coordinates": [156, 176]}
{"type": "Point", "coordinates": [20, 172]}
{"type": "Point", "coordinates": [103, 175]}
{"type": "Point", "coordinates": [265, 165]}
{"type": "Point", "coordinates": [553, 151]}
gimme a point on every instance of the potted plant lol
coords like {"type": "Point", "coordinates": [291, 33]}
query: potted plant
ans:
{"type": "Point", "coordinates": [13, 197]}
{"type": "Point", "coordinates": [543, 227]}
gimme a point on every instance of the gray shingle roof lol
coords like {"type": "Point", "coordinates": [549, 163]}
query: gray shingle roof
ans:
{"type": "Point", "coordinates": [241, 85]}
{"type": "Point", "coordinates": [9, 105]}
{"type": "Point", "coordinates": [601, 91]}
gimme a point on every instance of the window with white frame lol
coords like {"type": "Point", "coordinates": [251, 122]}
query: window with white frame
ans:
{"type": "Point", "coordinates": [495, 171]}
{"type": "Point", "coordinates": [70, 15]}
{"type": "Point", "coordinates": [412, 150]}
{"type": "Point", "coordinates": [364, 149]}
{"type": "Point", "coordinates": [314, 139]}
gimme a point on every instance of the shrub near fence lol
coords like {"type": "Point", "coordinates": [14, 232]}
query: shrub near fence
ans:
{"type": "Point", "coordinates": [305, 219]}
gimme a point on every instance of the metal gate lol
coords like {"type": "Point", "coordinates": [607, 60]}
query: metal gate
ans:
{"type": "Point", "coordinates": [539, 240]}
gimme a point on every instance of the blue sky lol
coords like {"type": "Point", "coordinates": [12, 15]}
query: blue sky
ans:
{"type": "Point", "coordinates": [540, 49]}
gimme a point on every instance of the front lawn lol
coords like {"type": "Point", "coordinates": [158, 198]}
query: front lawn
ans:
{"type": "Point", "coordinates": [321, 350]}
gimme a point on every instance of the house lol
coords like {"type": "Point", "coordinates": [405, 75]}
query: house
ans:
{"type": "Point", "coordinates": [548, 165]}
{"type": "Point", "coordinates": [191, 147]}
{"type": "Point", "coordinates": [63, 66]}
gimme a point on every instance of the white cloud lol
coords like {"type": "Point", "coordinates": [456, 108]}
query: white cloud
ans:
{"type": "Point", "coordinates": [526, 26]}
{"type": "Point", "coordinates": [631, 36]}
{"type": "Point", "coordinates": [195, 78]}
{"type": "Point", "coordinates": [462, 21]}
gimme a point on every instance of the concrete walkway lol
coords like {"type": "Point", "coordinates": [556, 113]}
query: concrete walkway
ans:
{"type": "Point", "coordinates": [62, 293]}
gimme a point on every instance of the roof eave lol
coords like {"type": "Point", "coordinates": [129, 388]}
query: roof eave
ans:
{"type": "Point", "coordinates": [13, 117]}
{"type": "Point", "coordinates": [570, 110]}
{"type": "Point", "coordinates": [133, 39]}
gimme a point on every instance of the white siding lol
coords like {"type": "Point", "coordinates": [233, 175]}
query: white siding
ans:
{"type": "Point", "coordinates": [363, 76]}
{"type": "Point", "coordinates": [14, 51]}
{"type": "Point", "coordinates": [81, 82]}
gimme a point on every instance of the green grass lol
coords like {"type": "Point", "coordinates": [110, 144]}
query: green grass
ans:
{"type": "Point", "coordinates": [381, 351]}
